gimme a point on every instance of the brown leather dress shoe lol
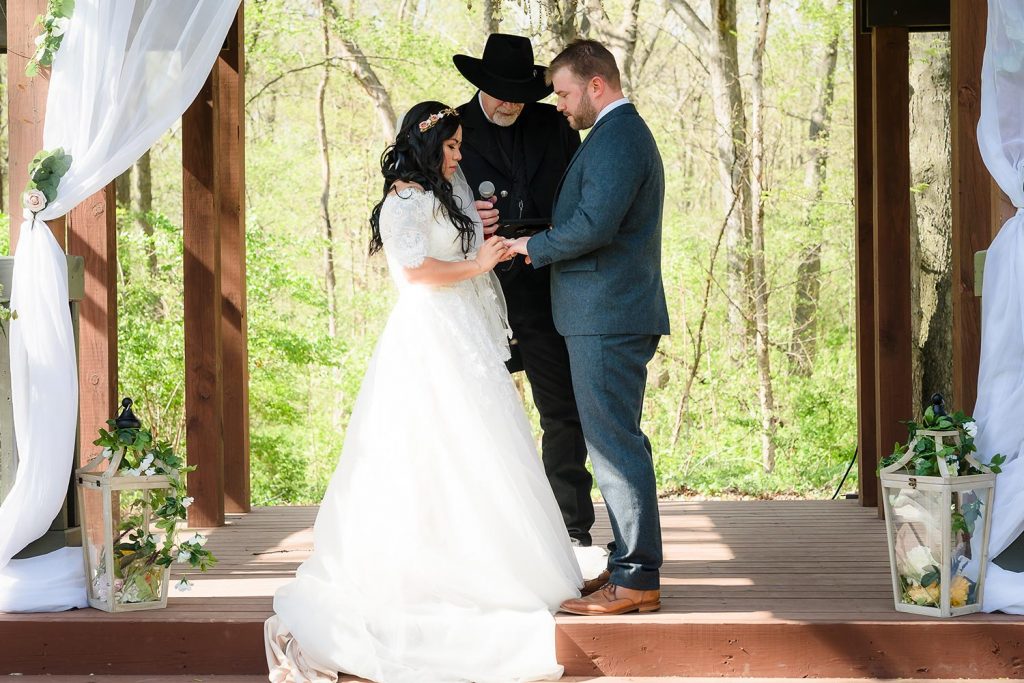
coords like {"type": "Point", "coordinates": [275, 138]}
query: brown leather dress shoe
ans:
{"type": "Point", "coordinates": [612, 599]}
{"type": "Point", "coordinates": [595, 584]}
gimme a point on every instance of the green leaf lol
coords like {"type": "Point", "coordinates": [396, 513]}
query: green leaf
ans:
{"type": "Point", "coordinates": [931, 577]}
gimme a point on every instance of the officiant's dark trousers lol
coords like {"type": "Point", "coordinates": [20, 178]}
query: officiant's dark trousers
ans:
{"type": "Point", "coordinates": [609, 376]}
{"type": "Point", "coordinates": [546, 363]}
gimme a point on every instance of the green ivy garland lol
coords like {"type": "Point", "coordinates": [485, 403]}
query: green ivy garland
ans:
{"type": "Point", "coordinates": [54, 23]}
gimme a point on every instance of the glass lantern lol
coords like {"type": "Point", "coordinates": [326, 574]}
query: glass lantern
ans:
{"type": "Point", "coordinates": [120, 567]}
{"type": "Point", "coordinates": [938, 528]}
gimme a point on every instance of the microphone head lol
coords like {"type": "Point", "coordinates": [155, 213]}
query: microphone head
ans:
{"type": "Point", "coordinates": [486, 189]}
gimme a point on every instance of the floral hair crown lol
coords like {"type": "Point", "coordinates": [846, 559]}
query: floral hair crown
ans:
{"type": "Point", "coordinates": [436, 118]}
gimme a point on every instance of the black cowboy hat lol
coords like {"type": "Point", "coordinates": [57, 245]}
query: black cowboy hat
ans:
{"type": "Point", "coordinates": [506, 71]}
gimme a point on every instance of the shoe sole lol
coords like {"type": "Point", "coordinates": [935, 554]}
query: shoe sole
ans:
{"type": "Point", "coordinates": [650, 607]}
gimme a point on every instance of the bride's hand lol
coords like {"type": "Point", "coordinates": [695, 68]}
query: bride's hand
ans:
{"type": "Point", "coordinates": [491, 253]}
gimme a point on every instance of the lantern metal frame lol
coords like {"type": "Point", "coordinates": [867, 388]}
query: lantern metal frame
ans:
{"type": "Point", "coordinates": [109, 482]}
{"type": "Point", "coordinates": [947, 484]}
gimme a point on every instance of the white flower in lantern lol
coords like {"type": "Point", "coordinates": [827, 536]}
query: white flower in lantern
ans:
{"type": "Point", "coordinates": [918, 562]}
{"type": "Point", "coordinates": [187, 501]}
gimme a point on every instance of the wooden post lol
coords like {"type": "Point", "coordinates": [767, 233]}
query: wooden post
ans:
{"type": "Point", "coordinates": [230, 157]}
{"type": "Point", "coordinates": [973, 210]}
{"type": "Point", "coordinates": [891, 217]}
{"type": "Point", "coordinates": [26, 106]}
{"type": "Point", "coordinates": [92, 235]}
{"type": "Point", "coordinates": [204, 386]}
{"type": "Point", "coordinates": [867, 438]}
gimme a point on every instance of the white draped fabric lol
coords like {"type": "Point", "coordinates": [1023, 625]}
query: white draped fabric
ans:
{"type": "Point", "coordinates": [1001, 376]}
{"type": "Point", "coordinates": [126, 70]}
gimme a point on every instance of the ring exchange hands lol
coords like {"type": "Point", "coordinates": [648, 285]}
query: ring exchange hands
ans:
{"type": "Point", "coordinates": [518, 246]}
{"type": "Point", "coordinates": [494, 251]}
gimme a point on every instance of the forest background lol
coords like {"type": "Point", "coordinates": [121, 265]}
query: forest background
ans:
{"type": "Point", "coordinates": [751, 104]}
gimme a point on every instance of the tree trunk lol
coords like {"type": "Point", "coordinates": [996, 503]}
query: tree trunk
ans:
{"type": "Point", "coordinates": [803, 344]}
{"type": "Point", "coordinates": [562, 22]}
{"type": "Point", "coordinates": [123, 188]}
{"type": "Point", "coordinates": [621, 40]}
{"type": "Point", "coordinates": [325, 183]}
{"type": "Point", "coordinates": [360, 68]}
{"type": "Point", "coordinates": [142, 205]}
{"type": "Point", "coordinates": [931, 218]}
{"type": "Point", "coordinates": [492, 16]}
{"type": "Point", "coordinates": [733, 172]}
{"type": "Point", "coordinates": [759, 283]}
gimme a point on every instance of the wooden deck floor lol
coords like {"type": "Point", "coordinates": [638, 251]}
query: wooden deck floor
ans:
{"type": "Point", "coordinates": [750, 588]}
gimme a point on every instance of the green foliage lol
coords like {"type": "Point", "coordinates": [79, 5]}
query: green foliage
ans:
{"type": "Point", "coordinates": [925, 461]}
{"type": "Point", "coordinates": [45, 171]}
{"type": "Point", "coordinates": [54, 23]}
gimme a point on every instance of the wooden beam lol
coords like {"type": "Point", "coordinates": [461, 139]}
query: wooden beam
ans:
{"type": "Point", "coordinates": [915, 15]}
{"type": "Point", "coordinates": [204, 386]}
{"type": "Point", "coordinates": [230, 93]}
{"type": "Point", "coordinates": [26, 106]}
{"type": "Point", "coordinates": [867, 438]}
{"type": "Point", "coordinates": [891, 217]}
{"type": "Point", "coordinates": [92, 234]}
{"type": "Point", "coordinates": [972, 194]}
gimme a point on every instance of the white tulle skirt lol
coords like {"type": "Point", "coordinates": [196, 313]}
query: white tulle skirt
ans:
{"type": "Point", "coordinates": [440, 553]}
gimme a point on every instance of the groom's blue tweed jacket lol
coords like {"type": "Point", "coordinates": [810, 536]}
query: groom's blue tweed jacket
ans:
{"type": "Point", "coordinates": [604, 246]}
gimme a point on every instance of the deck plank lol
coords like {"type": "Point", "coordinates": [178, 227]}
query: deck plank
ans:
{"type": "Point", "coordinates": [750, 588]}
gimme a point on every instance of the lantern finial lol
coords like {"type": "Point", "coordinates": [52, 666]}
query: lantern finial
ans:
{"type": "Point", "coordinates": [126, 419]}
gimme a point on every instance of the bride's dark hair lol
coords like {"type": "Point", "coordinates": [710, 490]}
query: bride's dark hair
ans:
{"type": "Point", "coordinates": [417, 157]}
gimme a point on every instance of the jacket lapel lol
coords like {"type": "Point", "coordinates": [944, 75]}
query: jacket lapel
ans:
{"type": "Point", "coordinates": [618, 111]}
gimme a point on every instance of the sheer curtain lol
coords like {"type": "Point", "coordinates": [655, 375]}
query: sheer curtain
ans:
{"type": "Point", "coordinates": [1001, 375]}
{"type": "Point", "coordinates": [126, 70]}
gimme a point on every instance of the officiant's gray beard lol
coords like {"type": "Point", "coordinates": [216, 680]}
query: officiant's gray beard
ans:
{"type": "Point", "coordinates": [506, 119]}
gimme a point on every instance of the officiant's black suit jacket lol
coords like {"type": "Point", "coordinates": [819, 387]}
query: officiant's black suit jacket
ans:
{"type": "Point", "coordinates": [544, 145]}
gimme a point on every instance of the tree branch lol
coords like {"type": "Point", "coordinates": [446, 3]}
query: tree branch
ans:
{"type": "Point", "coordinates": [691, 19]}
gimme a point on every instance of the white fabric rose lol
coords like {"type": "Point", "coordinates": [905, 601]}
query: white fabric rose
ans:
{"type": "Point", "coordinates": [34, 200]}
{"type": "Point", "coordinates": [972, 429]}
{"type": "Point", "coordinates": [917, 562]}
{"type": "Point", "coordinates": [60, 25]}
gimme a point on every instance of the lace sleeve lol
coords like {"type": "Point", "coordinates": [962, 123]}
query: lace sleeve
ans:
{"type": "Point", "coordinates": [405, 222]}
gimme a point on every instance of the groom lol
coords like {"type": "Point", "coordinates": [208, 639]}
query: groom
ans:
{"type": "Point", "coordinates": [604, 249]}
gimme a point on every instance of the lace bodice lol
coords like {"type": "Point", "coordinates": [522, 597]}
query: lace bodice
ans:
{"type": "Point", "coordinates": [413, 226]}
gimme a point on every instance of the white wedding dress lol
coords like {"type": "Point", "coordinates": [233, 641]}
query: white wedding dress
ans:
{"type": "Point", "coordinates": [440, 553]}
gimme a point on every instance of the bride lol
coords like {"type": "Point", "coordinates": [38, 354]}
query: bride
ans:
{"type": "Point", "coordinates": [440, 553]}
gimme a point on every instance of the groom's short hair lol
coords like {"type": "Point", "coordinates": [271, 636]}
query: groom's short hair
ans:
{"type": "Point", "coordinates": [586, 59]}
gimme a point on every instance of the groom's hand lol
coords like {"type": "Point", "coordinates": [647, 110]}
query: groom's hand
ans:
{"type": "Point", "coordinates": [488, 216]}
{"type": "Point", "coordinates": [518, 246]}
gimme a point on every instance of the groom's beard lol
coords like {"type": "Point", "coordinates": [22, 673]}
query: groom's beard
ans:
{"type": "Point", "coordinates": [585, 115]}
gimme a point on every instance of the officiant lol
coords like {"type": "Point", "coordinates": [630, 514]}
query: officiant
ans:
{"type": "Point", "coordinates": [523, 147]}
